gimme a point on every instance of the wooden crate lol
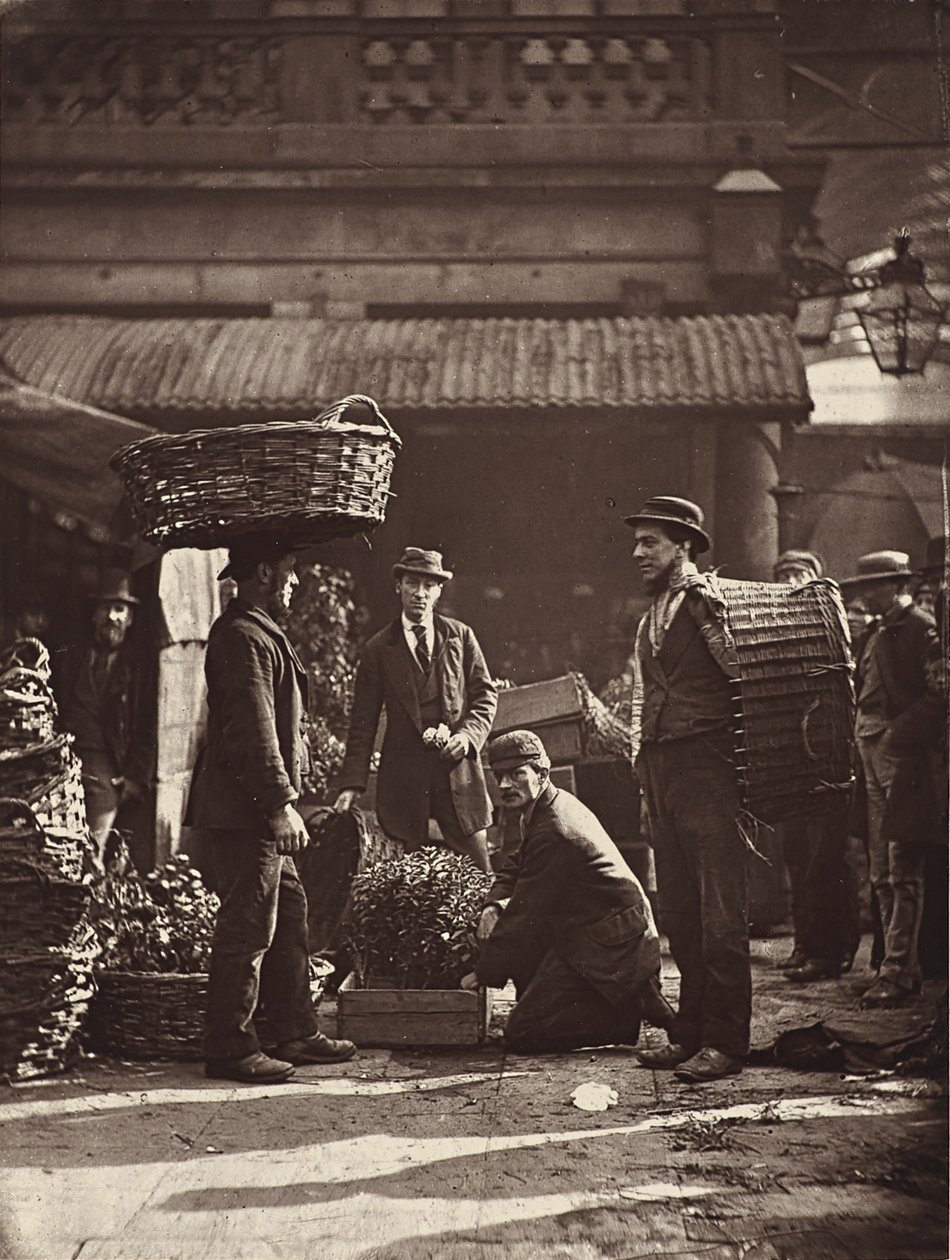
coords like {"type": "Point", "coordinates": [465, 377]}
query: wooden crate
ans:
{"type": "Point", "coordinates": [412, 1017]}
{"type": "Point", "coordinates": [552, 709]}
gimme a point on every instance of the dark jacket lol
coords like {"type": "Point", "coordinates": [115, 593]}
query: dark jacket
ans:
{"type": "Point", "coordinates": [902, 648]}
{"type": "Point", "coordinates": [469, 698]}
{"type": "Point", "coordinates": [685, 689]}
{"type": "Point", "coordinates": [567, 889]}
{"type": "Point", "coordinates": [256, 751]}
{"type": "Point", "coordinates": [130, 706]}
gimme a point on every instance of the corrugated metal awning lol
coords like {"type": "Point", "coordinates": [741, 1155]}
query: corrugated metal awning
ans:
{"type": "Point", "coordinates": [244, 368]}
{"type": "Point", "coordinates": [58, 451]}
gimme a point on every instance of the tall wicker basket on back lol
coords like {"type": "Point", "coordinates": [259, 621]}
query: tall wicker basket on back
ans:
{"type": "Point", "coordinates": [311, 480]}
{"type": "Point", "coordinates": [795, 699]}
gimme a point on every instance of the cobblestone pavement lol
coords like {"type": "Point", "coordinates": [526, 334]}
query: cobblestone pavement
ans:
{"type": "Point", "coordinates": [405, 1155]}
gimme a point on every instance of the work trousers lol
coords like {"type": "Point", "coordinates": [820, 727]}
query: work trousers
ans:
{"type": "Point", "coordinates": [559, 1010]}
{"type": "Point", "coordinates": [824, 888]}
{"type": "Point", "coordinates": [259, 954]}
{"type": "Point", "coordinates": [692, 801]}
{"type": "Point", "coordinates": [896, 870]}
{"type": "Point", "coordinates": [101, 797]}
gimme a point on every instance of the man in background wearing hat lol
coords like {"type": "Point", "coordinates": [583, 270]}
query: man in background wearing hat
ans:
{"type": "Point", "coordinates": [566, 919]}
{"type": "Point", "coordinates": [429, 674]}
{"type": "Point", "coordinates": [824, 888]}
{"type": "Point", "coordinates": [109, 706]}
{"type": "Point", "coordinates": [892, 680]}
{"type": "Point", "coordinates": [684, 742]}
{"type": "Point", "coordinates": [244, 794]}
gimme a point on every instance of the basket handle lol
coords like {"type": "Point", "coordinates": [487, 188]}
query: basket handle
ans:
{"type": "Point", "coordinates": [330, 417]}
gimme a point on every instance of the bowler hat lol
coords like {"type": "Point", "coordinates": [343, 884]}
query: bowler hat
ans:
{"type": "Point", "coordinates": [250, 550]}
{"type": "Point", "coordinates": [668, 510]}
{"type": "Point", "coordinates": [517, 748]}
{"type": "Point", "coordinates": [879, 566]}
{"type": "Point", "coordinates": [113, 588]}
{"type": "Point", "coordinates": [429, 563]}
{"type": "Point", "coordinates": [806, 561]}
{"type": "Point", "coordinates": [936, 561]}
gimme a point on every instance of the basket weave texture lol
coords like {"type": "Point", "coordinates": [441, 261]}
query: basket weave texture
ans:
{"type": "Point", "coordinates": [795, 701]}
{"type": "Point", "coordinates": [149, 1016]}
{"type": "Point", "coordinates": [310, 479]}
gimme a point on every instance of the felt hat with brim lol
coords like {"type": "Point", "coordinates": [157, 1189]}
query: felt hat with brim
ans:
{"type": "Point", "coordinates": [936, 561]}
{"type": "Point", "coordinates": [252, 549]}
{"type": "Point", "coordinates": [799, 561]}
{"type": "Point", "coordinates": [428, 563]}
{"type": "Point", "coordinates": [880, 566]}
{"type": "Point", "coordinates": [114, 588]}
{"type": "Point", "coordinates": [517, 748]}
{"type": "Point", "coordinates": [667, 510]}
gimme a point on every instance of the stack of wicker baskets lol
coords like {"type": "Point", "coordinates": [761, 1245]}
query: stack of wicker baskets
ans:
{"type": "Point", "coordinates": [310, 480]}
{"type": "Point", "coordinates": [795, 697]}
{"type": "Point", "coordinates": [46, 946]}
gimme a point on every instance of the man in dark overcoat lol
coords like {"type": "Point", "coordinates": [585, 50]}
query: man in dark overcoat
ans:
{"type": "Point", "coordinates": [109, 705]}
{"type": "Point", "coordinates": [683, 737]}
{"type": "Point", "coordinates": [244, 795]}
{"type": "Point", "coordinates": [892, 682]}
{"type": "Point", "coordinates": [429, 674]}
{"type": "Point", "coordinates": [566, 919]}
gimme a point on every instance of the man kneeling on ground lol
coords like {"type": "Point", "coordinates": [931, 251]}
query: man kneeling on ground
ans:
{"type": "Point", "coordinates": [566, 918]}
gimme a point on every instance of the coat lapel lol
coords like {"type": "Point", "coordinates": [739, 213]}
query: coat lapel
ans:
{"type": "Point", "coordinates": [398, 666]}
{"type": "Point", "coordinates": [273, 629]}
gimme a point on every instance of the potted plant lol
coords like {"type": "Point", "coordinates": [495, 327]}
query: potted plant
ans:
{"type": "Point", "coordinates": [411, 936]}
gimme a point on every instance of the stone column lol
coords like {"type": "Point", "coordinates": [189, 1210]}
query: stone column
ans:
{"type": "Point", "coordinates": [747, 535]}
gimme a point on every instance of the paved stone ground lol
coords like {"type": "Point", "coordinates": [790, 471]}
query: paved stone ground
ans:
{"type": "Point", "coordinates": [402, 1155]}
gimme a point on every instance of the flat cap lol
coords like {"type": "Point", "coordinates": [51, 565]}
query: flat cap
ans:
{"type": "Point", "coordinates": [806, 561]}
{"type": "Point", "coordinates": [517, 748]}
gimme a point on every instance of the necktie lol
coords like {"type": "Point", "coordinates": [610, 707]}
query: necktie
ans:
{"type": "Point", "coordinates": [422, 652]}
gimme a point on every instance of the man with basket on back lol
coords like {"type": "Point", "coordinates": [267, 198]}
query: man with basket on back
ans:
{"type": "Point", "coordinates": [683, 735]}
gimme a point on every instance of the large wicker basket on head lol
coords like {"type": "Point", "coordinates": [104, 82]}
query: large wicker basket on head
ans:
{"type": "Point", "coordinates": [309, 479]}
{"type": "Point", "coordinates": [795, 699]}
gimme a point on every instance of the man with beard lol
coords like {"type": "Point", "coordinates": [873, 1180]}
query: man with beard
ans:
{"type": "Point", "coordinates": [245, 794]}
{"type": "Point", "coordinates": [683, 727]}
{"type": "Point", "coordinates": [566, 919]}
{"type": "Point", "coordinates": [109, 707]}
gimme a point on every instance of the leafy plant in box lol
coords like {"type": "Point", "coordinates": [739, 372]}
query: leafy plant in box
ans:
{"type": "Point", "coordinates": [161, 923]}
{"type": "Point", "coordinates": [413, 918]}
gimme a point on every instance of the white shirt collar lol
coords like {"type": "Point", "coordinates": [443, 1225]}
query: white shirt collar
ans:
{"type": "Point", "coordinates": [409, 632]}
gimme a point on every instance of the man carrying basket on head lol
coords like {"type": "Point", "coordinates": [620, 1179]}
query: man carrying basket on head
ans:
{"type": "Point", "coordinates": [429, 673]}
{"type": "Point", "coordinates": [245, 793]}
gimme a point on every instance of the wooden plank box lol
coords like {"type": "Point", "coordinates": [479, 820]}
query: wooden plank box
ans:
{"type": "Point", "coordinates": [412, 1017]}
{"type": "Point", "coordinates": [552, 709]}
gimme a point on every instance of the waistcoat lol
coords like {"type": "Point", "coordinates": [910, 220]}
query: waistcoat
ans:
{"type": "Point", "coordinates": [684, 690]}
{"type": "Point", "coordinates": [430, 696]}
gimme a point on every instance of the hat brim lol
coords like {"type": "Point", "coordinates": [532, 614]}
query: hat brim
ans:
{"type": "Point", "coordinates": [861, 579]}
{"type": "Point", "coordinates": [701, 537]}
{"type": "Point", "coordinates": [443, 575]}
{"type": "Point", "coordinates": [115, 598]}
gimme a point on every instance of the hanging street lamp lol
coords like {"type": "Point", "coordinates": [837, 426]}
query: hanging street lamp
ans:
{"type": "Point", "coordinates": [901, 318]}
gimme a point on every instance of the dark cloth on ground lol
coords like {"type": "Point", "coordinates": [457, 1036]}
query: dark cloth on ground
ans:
{"type": "Point", "coordinates": [692, 801]}
{"type": "Point", "coordinates": [572, 912]}
{"type": "Point", "coordinates": [259, 953]}
{"type": "Point", "coordinates": [821, 1048]}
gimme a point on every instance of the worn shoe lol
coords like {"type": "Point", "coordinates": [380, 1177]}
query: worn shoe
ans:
{"type": "Point", "coordinates": [656, 1009]}
{"type": "Point", "coordinates": [317, 1048]}
{"type": "Point", "coordinates": [884, 994]}
{"type": "Point", "coordinates": [795, 959]}
{"type": "Point", "coordinates": [666, 1057]}
{"type": "Point", "coordinates": [708, 1064]}
{"type": "Point", "coordinates": [814, 969]}
{"type": "Point", "coordinates": [252, 1069]}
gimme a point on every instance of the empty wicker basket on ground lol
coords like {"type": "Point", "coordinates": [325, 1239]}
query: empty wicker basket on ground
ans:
{"type": "Point", "coordinates": [795, 701]}
{"type": "Point", "coordinates": [310, 479]}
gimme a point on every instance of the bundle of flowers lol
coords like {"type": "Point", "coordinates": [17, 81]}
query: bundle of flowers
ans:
{"type": "Point", "coordinates": [160, 923]}
{"type": "Point", "coordinates": [413, 919]}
